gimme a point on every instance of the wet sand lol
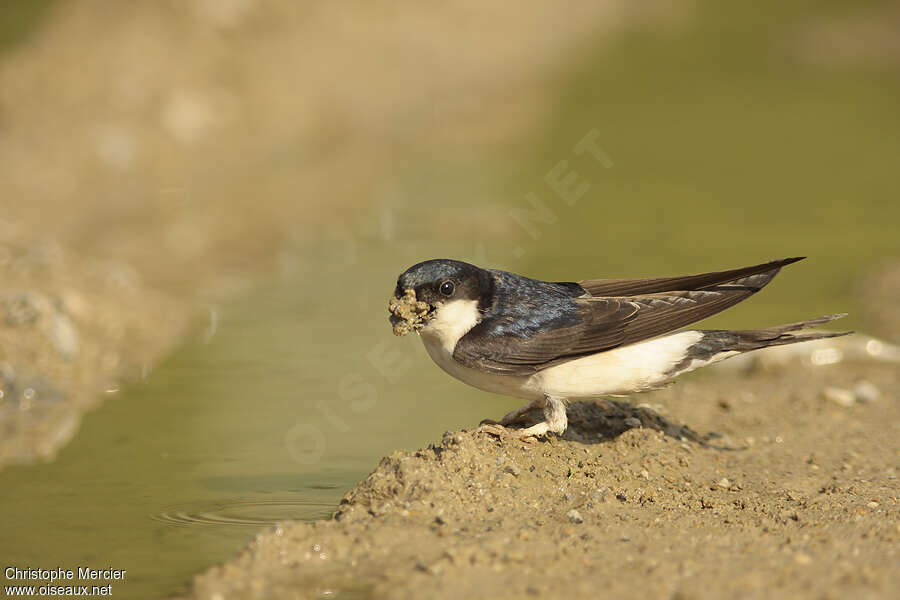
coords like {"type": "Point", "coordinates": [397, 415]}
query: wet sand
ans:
{"type": "Point", "coordinates": [759, 485]}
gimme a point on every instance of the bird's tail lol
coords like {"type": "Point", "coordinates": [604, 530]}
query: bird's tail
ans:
{"type": "Point", "coordinates": [753, 339]}
{"type": "Point", "coordinates": [718, 344]}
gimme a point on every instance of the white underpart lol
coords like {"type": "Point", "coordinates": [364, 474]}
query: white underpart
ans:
{"type": "Point", "coordinates": [451, 321]}
{"type": "Point", "coordinates": [624, 370]}
{"type": "Point", "coordinates": [633, 368]}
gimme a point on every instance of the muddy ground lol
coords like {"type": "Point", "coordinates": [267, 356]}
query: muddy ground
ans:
{"type": "Point", "coordinates": [759, 485]}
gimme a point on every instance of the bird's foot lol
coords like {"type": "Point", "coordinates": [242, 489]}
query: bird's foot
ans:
{"type": "Point", "coordinates": [535, 431]}
{"type": "Point", "coordinates": [492, 428]}
{"type": "Point", "coordinates": [554, 413]}
{"type": "Point", "coordinates": [504, 433]}
{"type": "Point", "coordinates": [529, 434]}
{"type": "Point", "coordinates": [516, 416]}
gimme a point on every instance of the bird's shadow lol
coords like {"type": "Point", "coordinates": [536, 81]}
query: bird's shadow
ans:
{"type": "Point", "coordinates": [598, 422]}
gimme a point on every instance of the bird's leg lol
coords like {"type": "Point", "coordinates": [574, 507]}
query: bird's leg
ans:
{"type": "Point", "coordinates": [554, 419]}
{"type": "Point", "coordinates": [516, 415]}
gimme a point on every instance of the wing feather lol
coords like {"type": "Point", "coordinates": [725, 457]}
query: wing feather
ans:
{"type": "Point", "coordinates": [606, 322]}
{"type": "Point", "coordinates": [631, 287]}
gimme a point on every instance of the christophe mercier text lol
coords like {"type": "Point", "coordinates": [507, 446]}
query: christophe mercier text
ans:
{"type": "Point", "coordinates": [51, 576]}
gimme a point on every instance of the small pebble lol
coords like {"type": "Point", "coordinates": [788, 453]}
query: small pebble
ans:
{"type": "Point", "coordinates": [632, 422]}
{"type": "Point", "coordinates": [512, 470]}
{"type": "Point", "coordinates": [724, 483]}
{"type": "Point", "coordinates": [866, 392]}
{"type": "Point", "coordinates": [574, 516]}
{"type": "Point", "coordinates": [840, 396]}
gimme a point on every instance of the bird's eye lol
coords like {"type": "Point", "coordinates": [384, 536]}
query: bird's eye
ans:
{"type": "Point", "coordinates": [447, 288]}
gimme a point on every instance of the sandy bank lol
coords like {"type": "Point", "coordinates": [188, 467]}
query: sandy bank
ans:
{"type": "Point", "coordinates": [794, 496]}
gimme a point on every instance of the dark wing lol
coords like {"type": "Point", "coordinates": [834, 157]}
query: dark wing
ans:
{"type": "Point", "coordinates": [632, 287]}
{"type": "Point", "coordinates": [599, 324]}
{"type": "Point", "coordinates": [603, 323]}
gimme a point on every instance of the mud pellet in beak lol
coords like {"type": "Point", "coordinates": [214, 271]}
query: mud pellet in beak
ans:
{"type": "Point", "coordinates": [407, 313]}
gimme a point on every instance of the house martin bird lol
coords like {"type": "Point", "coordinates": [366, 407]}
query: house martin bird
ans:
{"type": "Point", "coordinates": [551, 342]}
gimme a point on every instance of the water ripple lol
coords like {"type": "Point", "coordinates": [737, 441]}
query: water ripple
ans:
{"type": "Point", "coordinates": [254, 513]}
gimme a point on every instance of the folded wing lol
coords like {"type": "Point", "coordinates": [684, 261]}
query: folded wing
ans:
{"type": "Point", "coordinates": [623, 316]}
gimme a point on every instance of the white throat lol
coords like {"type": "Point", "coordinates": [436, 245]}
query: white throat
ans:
{"type": "Point", "coordinates": [451, 321]}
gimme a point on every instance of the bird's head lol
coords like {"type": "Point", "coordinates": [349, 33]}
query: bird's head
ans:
{"type": "Point", "coordinates": [437, 291]}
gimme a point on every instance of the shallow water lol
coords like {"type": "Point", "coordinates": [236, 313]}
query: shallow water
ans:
{"type": "Point", "coordinates": [272, 415]}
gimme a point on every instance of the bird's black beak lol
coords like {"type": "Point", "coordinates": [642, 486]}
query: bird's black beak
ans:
{"type": "Point", "coordinates": [407, 313]}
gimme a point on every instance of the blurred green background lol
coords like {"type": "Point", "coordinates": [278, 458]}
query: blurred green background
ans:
{"type": "Point", "coordinates": [274, 168]}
